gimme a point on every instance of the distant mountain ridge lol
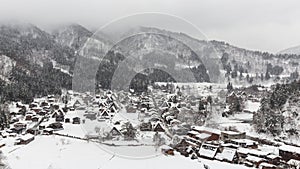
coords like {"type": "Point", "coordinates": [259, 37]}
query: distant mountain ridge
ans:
{"type": "Point", "coordinates": [27, 48]}
{"type": "Point", "coordinates": [212, 52]}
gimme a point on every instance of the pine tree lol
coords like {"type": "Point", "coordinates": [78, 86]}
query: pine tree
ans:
{"type": "Point", "coordinates": [267, 76]}
{"type": "Point", "coordinates": [229, 87]}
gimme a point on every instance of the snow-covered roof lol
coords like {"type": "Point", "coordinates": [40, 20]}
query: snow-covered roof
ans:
{"type": "Point", "coordinates": [226, 154]}
{"type": "Point", "coordinates": [252, 151]}
{"type": "Point", "coordinates": [289, 148]}
{"type": "Point", "coordinates": [272, 156]}
{"type": "Point", "coordinates": [174, 121]}
{"type": "Point", "coordinates": [14, 109]}
{"type": "Point", "coordinates": [48, 129]}
{"type": "Point", "coordinates": [203, 136]}
{"type": "Point", "coordinates": [244, 141]}
{"type": "Point", "coordinates": [202, 128]}
{"type": "Point", "coordinates": [191, 143]}
{"type": "Point", "coordinates": [26, 137]}
{"type": "Point", "coordinates": [208, 150]}
{"type": "Point", "coordinates": [192, 139]}
{"type": "Point", "coordinates": [193, 132]}
{"type": "Point", "coordinates": [165, 147]}
{"type": "Point", "coordinates": [264, 164]}
{"type": "Point", "coordinates": [294, 162]}
{"type": "Point", "coordinates": [232, 94]}
{"type": "Point", "coordinates": [254, 158]}
{"type": "Point", "coordinates": [229, 145]}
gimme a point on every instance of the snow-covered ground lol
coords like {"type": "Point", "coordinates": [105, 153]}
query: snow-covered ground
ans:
{"type": "Point", "coordinates": [55, 152]}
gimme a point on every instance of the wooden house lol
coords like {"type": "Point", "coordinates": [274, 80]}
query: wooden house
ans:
{"type": "Point", "coordinates": [227, 154]}
{"type": "Point", "coordinates": [158, 127]}
{"type": "Point", "coordinates": [48, 131]}
{"type": "Point", "coordinates": [28, 117]}
{"type": "Point", "coordinates": [102, 104]}
{"type": "Point", "coordinates": [294, 163]}
{"type": "Point", "coordinates": [60, 118]}
{"type": "Point", "coordinates": [25, 139]}
{"type": "Point", "coordinates": [33, 131]}
{"type": "Point", "coordinates": [14, 120]}
{"type": "Point", "coordinates": [76, 104]}
{"type": "Point", "coordinates": [212, 134]}
{"type": "Point", "coordinates": [42, 113]}
{"type": "Point", "coordinates": [114, 105]}
{"type": "Point", "coordinates": [182, 147]}
{"type": "Point", "coordinates": [33, 104]}
{"type": "Point", "coordinates": [232, 98]}
{"type": "Point", "coordinates": [56, 126]}
{"type": "Point", "coordinates": [67, 120]}
{"type": "Point", "coordinates": [36, 109]}
{"type": "Point", "coordinates": [208, 151]}
{"type": "Point", "coordinates": [105, 115]}
{"type": "Point", "coordinates": [44, 104]}
{"type": "Point", "coordinates": [243, 153]}
{"type": "Point", "coordinates": [253, 161]}
{"type": "Point", "coordinates": [113, 109]}
{"type": "Point", "coordinates": [42, 127]}
{"type": "Point", "coordinates": [167, 150]}
{"type": "Point", "coordinates": [245, 143]}
{"type": "Point", "coordinates": [289, 152]}
{"type": "Point", "coordinates": [265, 165]}
{"type": "Point", "coordinates": [115, 132]}
{"type": "Point", "coordinates": [194, 156]}
{"type": "Point", "coordinates": [20, 125]}
{"type": "Point", "coordinates": [131, 109]}
{"type": "Point", "coordinates": [35, 119]}
{"type": "Point", "coordinates": [273, 159]}
{"type": "Point", "coordinates": [76, 120]}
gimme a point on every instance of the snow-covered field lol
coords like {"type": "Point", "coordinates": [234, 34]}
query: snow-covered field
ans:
{"type": "Point", "coordinates": [55, 152]}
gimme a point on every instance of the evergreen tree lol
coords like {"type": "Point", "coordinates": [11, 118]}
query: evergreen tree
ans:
{"type": "Point", "coordinates": [267, 76]}
{"type": "Point", "coordinates": [229, 87]}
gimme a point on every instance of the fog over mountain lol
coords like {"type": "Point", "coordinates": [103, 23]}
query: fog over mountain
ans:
{"type": "Point", "coordinates": [252, 25]}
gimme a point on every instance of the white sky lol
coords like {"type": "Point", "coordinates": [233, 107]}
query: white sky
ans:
{"type": "Point", "coordinates": [267, 25]}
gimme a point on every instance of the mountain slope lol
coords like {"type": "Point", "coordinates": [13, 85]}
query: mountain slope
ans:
{"type": "Point", "coordinates": [28, 53]}
{"type": "Point", "coordinates": [293, 50]}
{"type": "Point", "coordinates": [142, 53]}
{"type": "Point", "coordinates": [235, 59]}
{"type": "Point", "coordinates": [73, 35]}
{"type": "Point", "coordinates": [151, 52]}
{"type": "Point", "coordinates": [28, 44]}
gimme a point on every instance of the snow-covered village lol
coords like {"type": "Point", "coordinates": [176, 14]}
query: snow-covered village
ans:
{"type": "Point", "coordinates": [131, 84]}
{"type": "Point", "coordinates": [211, 129]}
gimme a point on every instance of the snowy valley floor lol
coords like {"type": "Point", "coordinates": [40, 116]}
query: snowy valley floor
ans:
{"type": "Point", "coordinates": [56, 152]}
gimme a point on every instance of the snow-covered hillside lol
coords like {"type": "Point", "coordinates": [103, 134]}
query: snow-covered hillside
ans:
{"type": "Point", "coordinates": [6, 66]}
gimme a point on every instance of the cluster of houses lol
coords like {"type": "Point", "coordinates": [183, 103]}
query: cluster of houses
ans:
{"type": "Point", "coordinates": [147, 113]}
{"type": "Point", "coordinates": [42, 116]}
{"type": "Point", "coordinates": [107, 106]}
{"type": "Point", "coordinates": [235, 147]}
{"type": "Point", "coordinates": [173, 114]}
